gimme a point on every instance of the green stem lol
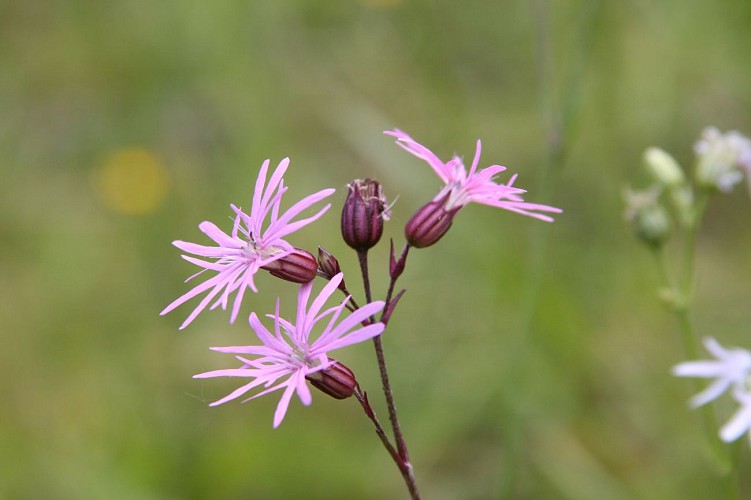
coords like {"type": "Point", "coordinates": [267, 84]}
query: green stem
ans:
{"type": "Point", "coordinates": [689, 262]}
{"type": "Point", "coordinates": [681, 301]}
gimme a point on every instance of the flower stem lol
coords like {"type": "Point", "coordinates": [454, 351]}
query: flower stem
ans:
{"type": "Point", "coordinates": [690, 249]}
{"type": "Point", "coordinates": [362, 397]}
{"type": "Point", "coordinates": [402, 459]}
{"type": "Point", "coordinates": [681, 296]}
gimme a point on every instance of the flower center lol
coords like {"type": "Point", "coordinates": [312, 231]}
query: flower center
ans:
{"type": "Point", "coordinates": [254, 250]}
{"type": "Point", "coordinates": [456, 195]}
{"type": "Point", "coordinates": [299, 352]}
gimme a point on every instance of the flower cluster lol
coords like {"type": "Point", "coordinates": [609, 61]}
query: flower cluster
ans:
{"type": "Point", "coordinates": [677, 200]}
{"type": "Point", "coordinates": [290, 354]}
{"type": "Point", "coordinates": [731, 371]}
{"type": "Point", "coordinates": [722, 160]}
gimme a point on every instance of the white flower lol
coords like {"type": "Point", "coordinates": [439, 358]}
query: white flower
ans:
{"type": "Point", "coordinates": [722, 159]}
{"type": "Point", "coordinates": [731, 368]}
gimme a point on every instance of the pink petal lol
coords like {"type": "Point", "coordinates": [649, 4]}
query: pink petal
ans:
{"type": "Point", "coordinates": [476, 160]}
{"type": "Point", "coordinates": [283, 226]}
{"type": "Point", "coordinates": [217, 235]}
{"type": "Point", "coordinates": [258, 191]}
{"type": "Point", "coordinates": [281, 408]}
{"type": "Point", "coordinates": [350, 322]}
{"type": "Point", "coordinates": [417, 149]}
{"type": "Point", "coordinates": [303, 391]}
{"type": "Point", "coordinates": [275, 181]}
{"type": "Point", "coordinates": [218, 266]}
{"type": "Point", "coordinates": [302, 305]}
{"type": "Point", "coordinates": [355, 337]}
{"type": "Point", "coordinates": [273, 342]}
{"type": "Point", "coordinates": [238, 392]}
{"type": "Point", "coordinates": [202, 250]}
{"type": "Point", "coordinates": [319, 302]}
{"type": "Point", "coordinates": [216, 282]}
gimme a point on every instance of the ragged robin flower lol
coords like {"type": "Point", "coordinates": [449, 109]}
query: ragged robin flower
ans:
{"type": "Point", "coordinates": [236, 258]}
{"type": "Point", "coordinates": [461, 187]}
{"type": "Point", "coordinates": [288, 355]}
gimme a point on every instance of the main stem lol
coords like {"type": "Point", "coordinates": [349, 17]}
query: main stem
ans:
{"type": "Point", "coordinates": [405, 467]}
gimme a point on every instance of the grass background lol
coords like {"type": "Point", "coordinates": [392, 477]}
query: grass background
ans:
{"type": "Point", "coordinates": [529, 360]}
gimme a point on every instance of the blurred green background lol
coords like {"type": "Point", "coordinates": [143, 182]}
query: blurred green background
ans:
{"type": "Point", "coordinates": [528, 360]}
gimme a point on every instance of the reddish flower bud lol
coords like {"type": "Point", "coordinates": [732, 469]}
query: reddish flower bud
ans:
{"type": "Point", "coordinates": [429, 223]}
{"type": "Point", "coordinates": [337, 380]}
{"type": "Point", "coordinates": [363, 214]}
{"type": "Point", "coordinates": [328, 267]}
{"type": "Point", "coordinates": [298, 267]}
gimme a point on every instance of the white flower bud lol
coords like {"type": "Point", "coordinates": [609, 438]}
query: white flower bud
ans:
{"type": "Point", "coordinates": [664, 168]}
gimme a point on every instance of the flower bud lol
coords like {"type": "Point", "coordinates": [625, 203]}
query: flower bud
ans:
{"type": "Point", "coordinates": [429, 224]}
{"type": "Point", "coordinates": [652, 225]}
{"type": "Point", "coordinates": [337, 380]}
{"type": "Point", "coordinates": [664, 168]}
{"type": "Point", "coordinates": [648, 217]}
{"type": "Point", "coordinates": [328, 266]}
{"type": "Point", "coordinates": [298, 267]}
{"type": "Point", "coordinates": [363, 214]}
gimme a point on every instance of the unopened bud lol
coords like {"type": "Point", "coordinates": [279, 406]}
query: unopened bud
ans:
{"type": "Point", "coordinates": [328, 266]}
{"type": "Point", "coordinates": [429, 224]}
{"type": "Point", "coordinates": [298, 267]}
{"type": "Point", "coordinates": [664, 168]}
{"type": "Point", "coordinates": [652, 225]}
{"type": "Point", "coordinates": [363, 214]}
{"type": "Point", "coordinates": [648, 217]}
{"type": "Point", "coordinates": [336, 380]}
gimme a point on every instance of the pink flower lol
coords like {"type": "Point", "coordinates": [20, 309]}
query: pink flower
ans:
{"type": "Point", "coordinates": [463, 187]}
{"type": "Point", "coordinates": [250, 247]}
{"type": "Point", "coordinates": [289, 353]}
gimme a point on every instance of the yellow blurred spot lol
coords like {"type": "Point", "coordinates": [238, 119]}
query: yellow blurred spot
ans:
{"type": "Point", "coordinates": [132, 181]}
{"type": "Point", "coordinates": [381, 3]}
